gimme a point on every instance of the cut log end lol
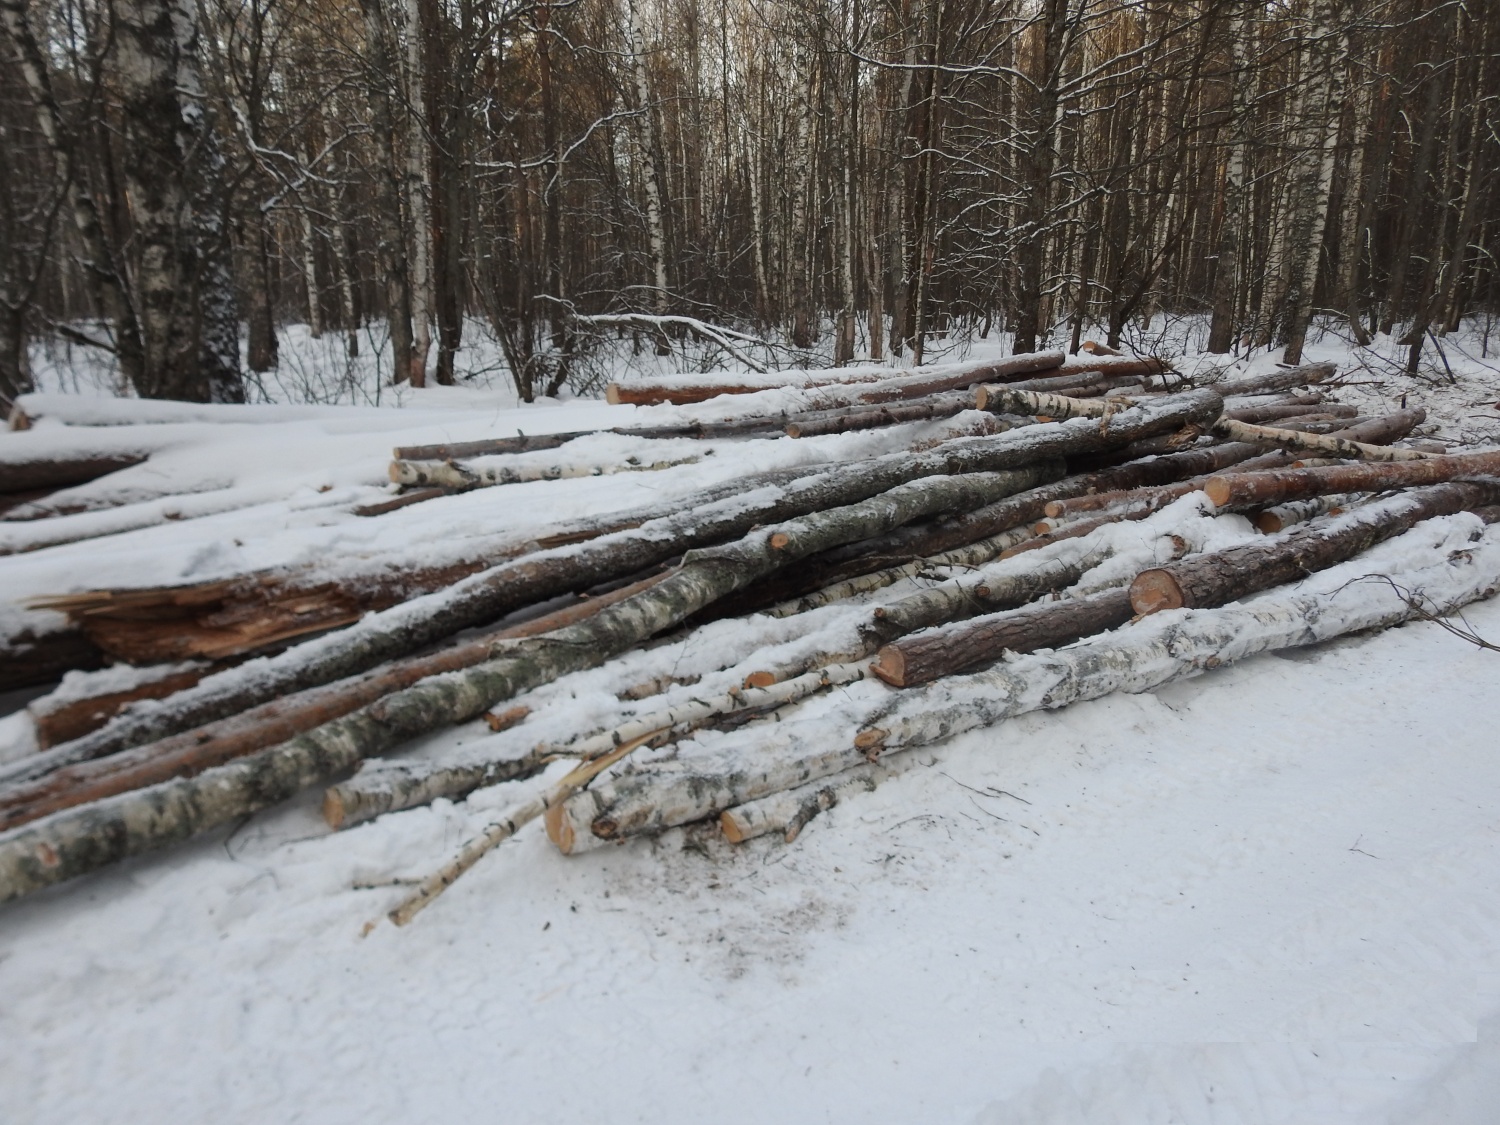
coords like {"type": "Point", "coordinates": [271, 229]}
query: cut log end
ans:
{"type": "Point", "coordinates": [1219, 490]}
{"type": "Point", "coordinates": [504, 720]}
{"type": "Point", "coordinates": [890, 666]}
{"type": "Point", "coordinates": [1155, 590]}
{"type": "Point", "coordinates": [870, 741]}
{"type": "Point", "coordinates": [760, 679]}
{"type": "Point", "coordinates": [559, 828]}
{"type": "Point", "coordinates": [735, 830]}
{"type": "Point", "coordinates": [612, 394]}
{"type": "Point", "coordinates": [1268, 522]}
{"type": "Point", "coordinates": [779, 541]}
{"type": "Point", "coordinates": [334, 812]}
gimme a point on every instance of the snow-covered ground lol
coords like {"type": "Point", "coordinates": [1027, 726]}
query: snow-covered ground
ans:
{"type": "Point", "coordinates": [1268, 894]}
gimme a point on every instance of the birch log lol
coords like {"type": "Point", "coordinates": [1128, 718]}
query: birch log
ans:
{"type": "Point", "coordinates": [789, 812]}
{"type": "Point", "coordinates": [1283, 379]}
{"type": "Point", "coordinates": [1330, 444]}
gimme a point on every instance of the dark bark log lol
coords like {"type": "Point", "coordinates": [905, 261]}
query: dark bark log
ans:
{"type": "Point", "coordinates": [1226, 576]}
{"type": "Point", "coordinates": [31, 658]}
{"type": "Point", "coordinates": [26, 476]}
{"type": "Point", "coordinates": [887, 414]}
{"type": "Point", "coordinates": [956, 648]}
{"type": "Point", "coordinates": [1255, 490]}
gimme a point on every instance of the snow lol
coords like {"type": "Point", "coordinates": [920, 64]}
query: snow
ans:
{"type": "Point", "coordinates": [1267, 894]}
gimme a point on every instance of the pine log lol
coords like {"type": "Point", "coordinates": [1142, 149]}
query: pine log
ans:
{"type": "Point", "coordinates": [1254, 490]}
{"type": "Point", "coordinates": [192, 752]}
{"type": "Point", "coordinates": [33, 474]}
{"type": "Point", "coordinates": [789, 812]}
{"type": "Point", "coordinates": [1282, 380]}
{"type": "Point", "coordinates": [489, 595]}
{"type": "Point", "coordinates": [1225, 576]}
{"type": "Point", "coordinates": [959, 647]}
{"type": "Point", "coordinates": [65, 715]}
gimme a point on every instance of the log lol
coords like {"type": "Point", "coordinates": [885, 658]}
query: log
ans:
{"type": "Point", "coordinates": [1331, 444]}
{"type": "Point", "coordinates": [88, 702]}
{"type": "Point", "coordinates": [497, 833]}
{"type": "Point", "coordinates": [488, 595]}
{"type": "Point", "coordinates": [405, 500]}
{"type": "Point", "coordinates": [1277, 412]}
{"type": "Point", "coordinates": [36, 655]}
{"type": "Point", "coordinates": [957, 648]}
{"type": "Point", "coordinates": [34, 474]}
{"type": "Point", "coordinates": [1262, 489]}
{"type": "Point", "coordinates": [459, 475]}
{"type": "Point", "coordinates": [646, 392]}
{"type": "Point", "coordinates": [1282, 380]}
{"type": "Point", "coordinates": [999, 399]}
{"type": "Point", "coordinates": [839, 573]}
{"type": "Point", "coordinates": [885, 414]}
{"type": "Point", "coordinates": [1228, 575]}
{"type": "Point", "coordinates": [1158, 650]}
{"type": "Point", "coordinates": [789, 812]}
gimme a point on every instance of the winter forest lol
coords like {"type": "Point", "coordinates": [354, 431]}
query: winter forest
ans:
{"type": "Point", "coordinates": [833, 178]}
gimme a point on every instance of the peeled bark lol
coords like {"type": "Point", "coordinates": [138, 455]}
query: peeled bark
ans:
{"type": "Point", "coordinates": [1254, 490]}
{"type": "Point", "coordinates": [487, 596]}
{"type": "Point", "coordinates": [956, 648]}
{"type": "Point", "coordinates": [1225, 576]}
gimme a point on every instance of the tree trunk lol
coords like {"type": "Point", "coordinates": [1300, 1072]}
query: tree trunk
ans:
{"type": "Point", "coordinates": [956, 648]}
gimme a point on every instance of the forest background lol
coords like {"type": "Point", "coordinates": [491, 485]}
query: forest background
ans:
{"type": "Point", "coordinates": [860, 177]}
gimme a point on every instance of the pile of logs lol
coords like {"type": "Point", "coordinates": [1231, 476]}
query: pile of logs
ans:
{"type": "Point", "coordinates": [1046, 504]}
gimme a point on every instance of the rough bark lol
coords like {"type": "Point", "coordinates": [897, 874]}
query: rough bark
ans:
{"type": "Point", "coordinates": [1283, 411]}
{"type": "Point", "coordinates": [488, 595]}
{"type": "Point", "coordinates": [956, 648]}
{"type": "Point", "coordinates": [35, 656]}
{"type": "Point", "coordinates": [1225, 576]}
{"type": "Point", "coordinates": [1253, 490]}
